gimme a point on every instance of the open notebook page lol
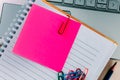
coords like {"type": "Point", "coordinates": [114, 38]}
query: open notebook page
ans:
{"type": "Point", "coordinates": [89, 50]}
{"type": "Point", "coordinates": [86, 52]}
{"type": "Point", "coordinates": [106, 55]}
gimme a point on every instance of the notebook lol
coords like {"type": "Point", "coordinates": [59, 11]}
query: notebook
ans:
{"type": "Point", "coordinates": [90, 49]}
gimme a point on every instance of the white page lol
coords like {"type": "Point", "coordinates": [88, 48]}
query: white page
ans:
{"type": "Point", "coordinates": [92, 51]}
{"type": "Point", "coordinates": [103, 54]}
{"type": "Point", "coordinates": [89, 50]}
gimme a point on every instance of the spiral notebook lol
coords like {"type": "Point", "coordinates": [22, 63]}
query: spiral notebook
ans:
{"type": "Point", "coordinates": [88, 49]}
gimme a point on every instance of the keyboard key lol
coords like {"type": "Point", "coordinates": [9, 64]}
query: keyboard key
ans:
{"type": "Point", "coordinates": [102, 1]}
{"type": "Point", "coordinates": [79, 2]}
{"type": "Point", "coordinates": [55, 0]}
{"type": "Point", "coordinates": [90, 3]}
{"type": "Point", "coordinates": [102, 6]}
{"type": "Point", "coordinates": [68, 1]}
{"type": "Point", "coordinates": [113, 4]}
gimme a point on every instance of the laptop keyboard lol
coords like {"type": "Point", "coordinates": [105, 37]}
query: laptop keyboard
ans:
{"type": "Point", "coordinates": [112, 6]}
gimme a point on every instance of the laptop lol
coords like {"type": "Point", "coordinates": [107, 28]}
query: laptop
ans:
{"type": "Point", "coordinates": [94, 13]}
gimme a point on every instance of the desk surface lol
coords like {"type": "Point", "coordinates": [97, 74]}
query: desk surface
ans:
{"type": "Point", "coordinates": [116, 73]}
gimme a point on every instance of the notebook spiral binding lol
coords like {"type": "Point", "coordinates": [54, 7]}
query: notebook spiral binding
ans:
{"type": "Point", "coordinates": [16, 25]}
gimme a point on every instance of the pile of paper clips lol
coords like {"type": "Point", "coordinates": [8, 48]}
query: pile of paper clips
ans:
{"type": "Point", "coordinates": [78, 74]}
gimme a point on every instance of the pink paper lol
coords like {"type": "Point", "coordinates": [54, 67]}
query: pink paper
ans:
{"type": "Point", "coordinates": [40, 42]}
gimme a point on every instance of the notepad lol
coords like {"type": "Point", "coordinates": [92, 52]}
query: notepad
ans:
{"type": "Point", "coordinates": [40, 40]}
{"type": "Point", "coordinates": [90, 49]}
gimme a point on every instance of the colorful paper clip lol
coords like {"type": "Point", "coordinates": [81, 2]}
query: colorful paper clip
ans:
{"type": "Point", "coordinates": [73, 75]}
{"type": "Point", "coordinates": [64, 25]}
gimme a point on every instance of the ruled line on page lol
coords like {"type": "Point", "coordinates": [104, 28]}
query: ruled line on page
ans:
{"type": "Point", "coordinates": [41, 72]}
{"type": "Point", "coordinates": [12, 71]}
{"type": "Point", "coordinates": [83, 42]}
{"type": "Point", "coordinates": [7, 74]}
{"type": "Point", "coordinates": [24, 66]}
{"type": "Point", "coordinates": [19, 69]}
{"type": "Point", "coordinates": [84, 49]}
{"type": "Point", "coordinates": [39, 69]}
{"type": "Point", "coordinates": [2, 78]}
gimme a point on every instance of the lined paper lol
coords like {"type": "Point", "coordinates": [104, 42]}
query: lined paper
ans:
{"type": "Point", "coordinates": [90, 50]}
{"type": "Point", "coordinates": [86, 52]}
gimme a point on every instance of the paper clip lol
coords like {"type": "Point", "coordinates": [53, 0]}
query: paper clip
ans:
{"type": "Point", "coordinates": [60, 75]}
{"type": "Point", "coordinates": [64, 25]}
{"type": "Point", "coordinates": [83, 76]}
{"type": "Point", "coordinates": [73, 75]}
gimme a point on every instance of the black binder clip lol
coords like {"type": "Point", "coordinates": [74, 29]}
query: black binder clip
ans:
{"type": "Point", "coordinates": [64, 25]}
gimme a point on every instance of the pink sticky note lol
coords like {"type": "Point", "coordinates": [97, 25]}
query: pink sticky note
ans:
{"type": "Point", "coordinates": [39, 40]}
